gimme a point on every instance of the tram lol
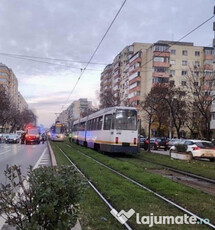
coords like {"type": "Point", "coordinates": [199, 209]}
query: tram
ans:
{"type": "Point", "coordinates": [111, 129]}
{"type": "Point", "coordinates": [57, 132]}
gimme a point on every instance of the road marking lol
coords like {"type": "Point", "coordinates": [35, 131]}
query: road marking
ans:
{"type": "Point", "coordinates": [38, 162]}
{"type": "Point", "coordinates": [4, 152]}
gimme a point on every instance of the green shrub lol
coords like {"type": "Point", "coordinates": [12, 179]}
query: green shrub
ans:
{"type": "Point", "coordinates": [180, 148]}
{"type": "Point", "coordinates": [49, 199]}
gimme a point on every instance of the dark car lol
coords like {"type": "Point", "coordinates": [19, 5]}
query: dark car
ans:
{"type": "Point", "coordinates": [161, 143]}
{"type": "Point", "coordinates": [142, 142]}
{"type": "Point", "coordinates": [32, 136]}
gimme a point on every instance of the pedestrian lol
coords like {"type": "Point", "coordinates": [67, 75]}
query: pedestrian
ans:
{"type": "Point", "coordinates": [70, 137]}
{"type": "Point", "coordinates": [43, 138]}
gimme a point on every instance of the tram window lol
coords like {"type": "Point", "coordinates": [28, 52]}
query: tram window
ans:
{"type": "Point", "coordinates": [90, 125]}
{"type": "Point", "coordinates": [107, 122]}
{"type": "Point", "coordinates": [82, 126]}
{"type": "Point", "coordinates": [126, 120]}
{"type": "Point", "coordinates": [95, 124]}
{"type": "Point", "coordinates": [100, 119]}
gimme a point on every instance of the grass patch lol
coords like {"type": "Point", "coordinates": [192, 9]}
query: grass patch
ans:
{"type": "Point", "coordinates": [202, 168]}
{"type": "Point", "coordinates": [125, 195]}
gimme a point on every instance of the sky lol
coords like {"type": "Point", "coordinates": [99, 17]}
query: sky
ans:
{"type": "Point", "coordinates": [54, 40]}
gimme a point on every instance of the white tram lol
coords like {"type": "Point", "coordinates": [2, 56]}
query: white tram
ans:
{"type": "Point", "coordinates": [111, 130]}
{"type": "Point", "coordinates": [57, 132]}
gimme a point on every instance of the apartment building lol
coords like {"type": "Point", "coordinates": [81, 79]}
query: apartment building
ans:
{"type": "Point", "coordinates": [76, 110]}
{"type": "Point", "coordinates": [139, 66]}
{"type": "Point", "coordinates": [22, 104]}
{"type": "Point", "coordinates": [10, 83]}
{"type": "Point", "coordinates": [5, 77]}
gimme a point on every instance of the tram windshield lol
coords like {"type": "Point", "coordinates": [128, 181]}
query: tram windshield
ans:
{"type": "Point", "coordinates": [125, 119]}
{"type": "Point", "coordinates": [58, 129]}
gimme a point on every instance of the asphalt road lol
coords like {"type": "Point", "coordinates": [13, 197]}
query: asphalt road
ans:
{"type": "Point", "coordinates": [17, 154]}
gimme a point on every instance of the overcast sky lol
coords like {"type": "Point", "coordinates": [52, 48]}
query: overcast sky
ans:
{"type": "Point", "coordinates": [72, 29]}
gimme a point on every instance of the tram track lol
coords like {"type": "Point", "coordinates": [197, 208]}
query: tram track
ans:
{"type": "Point", "coordinates": [126, 225]}
{"type": "Point", "coordinates": [201, 183]}
{"type": "Point", "coordinates": [212, 181]}
{"type": "Point", "coordinates": [181, 208]}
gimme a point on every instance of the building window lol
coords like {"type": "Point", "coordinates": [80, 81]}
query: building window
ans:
{"type": "Point", "coordinates": [196, 83]}
{"type": "Point", "coordinates": [173, 52]}
{"type": "Point", "coordinates": [172, 83]}
{"type": "Point", "coordinates": [160, 80]}
{"type": "Point", "coordinates": [161, 48]}
{"type": "Point", "coordinates": [197, 53]}
{"type": "Point", "coordinates": [184, 63]}
{"type": "Point", "coordinates": [160, 69]}
{"type": "Point", "coordinates": [209, 52]}
{"type": "Point", "coordinates": [184, 73]}
{"type": "Point", "coordinates": [213, 115]}
{"type": "Point", "coordinates": [183, 83]}
{"type": "Point", "coordinates": [172, 73]}
{"type": "Point", "coordinates": [184, 52]}
{"type": "Point", "coordinates": [172, 62]}
{"type": "Point", "coordinates": [196, 65]}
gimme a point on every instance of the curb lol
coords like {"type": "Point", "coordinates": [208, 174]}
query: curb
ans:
{"type": "Point", "coordinates": [52, 156]}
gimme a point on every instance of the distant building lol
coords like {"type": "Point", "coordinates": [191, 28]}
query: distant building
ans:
{"type": "Point", "coordinates": [10, 84]}
{"type": "Point", "coordinates": [22, 104]}
{"type": "Point", "coordinates": [76, 110]}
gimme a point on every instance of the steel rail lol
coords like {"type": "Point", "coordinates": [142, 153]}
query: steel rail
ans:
{"type": "Point", "coordinates": [93, 187]}
{"type": "Point", "coordinates": [184, 172]}
{"type": "Point", "coordinates": [150, 190]}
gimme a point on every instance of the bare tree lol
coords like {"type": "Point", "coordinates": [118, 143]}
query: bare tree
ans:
{"type": "Point", "coordinates": [108, 99]}
{"type": "Point", "coordinates": [151, 105]}
{"type": "Point", "coordinates": [200, 86]}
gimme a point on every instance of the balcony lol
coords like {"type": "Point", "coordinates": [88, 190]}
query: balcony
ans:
{"type": "Point", "coordinates": [160, 74]}
{"type": "Point", "coordinates": [161, 64]}
{"type": "Point", "coordinates": [136, 79]}
{"type": "Point", "coordinates": [161, 53]}
{"type": "Point", "coordinates": [136, 89]}
{"type": "Point", "coordinates": [208, 57]}
{"type": "Point", "coordinates": [208, 67]}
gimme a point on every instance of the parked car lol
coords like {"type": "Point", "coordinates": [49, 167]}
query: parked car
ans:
{"type": "Point", "coordinates": [174, 141]}
{"type": "Point", "coordinates": [12, 138]}
{"type": "Point", "coordinates": [161, 143]}
{"type": "Point", "coordinates": [199, 149]}
{"type": "Point", "coordinates": [142, 142]}
{"type": "Point", "coordinates": [4, 137]}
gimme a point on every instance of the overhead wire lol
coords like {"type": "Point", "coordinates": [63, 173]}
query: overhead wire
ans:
{"type": "Point", "coordinates": [84, 69]}
{"type": "Point", "coordinates": [45, 62]}
{"type": "Point", "coordinates": [175, 42]}
{"type": "Point", "coordinates": [47, 58]}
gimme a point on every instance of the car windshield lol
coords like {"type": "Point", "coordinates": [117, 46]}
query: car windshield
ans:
{"type": "Point", "coordinates": [204, 144]}
{"type": "Point", "coordinates": [33, 131]}
{"type": "Point", "coordinates": [12, 135]}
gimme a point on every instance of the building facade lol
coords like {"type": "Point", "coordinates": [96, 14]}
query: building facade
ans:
{"type": "Point", "coordinates": [10, 83]}
{"type": "Point", "coordinates": [138, 67]}
{"type": "Point", "coordinates": [76, 110]}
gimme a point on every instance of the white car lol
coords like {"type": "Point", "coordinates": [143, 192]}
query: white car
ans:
{"type": "Point", "coordinates": [198, 149]}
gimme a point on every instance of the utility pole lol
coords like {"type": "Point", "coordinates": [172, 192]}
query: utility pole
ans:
{"type": "Point", "coordinates": [214, 38]}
